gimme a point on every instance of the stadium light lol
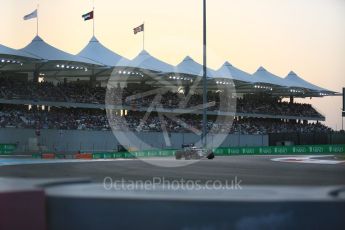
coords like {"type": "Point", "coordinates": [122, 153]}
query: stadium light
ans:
{"type": "Point", "coordinates": [11, 61]}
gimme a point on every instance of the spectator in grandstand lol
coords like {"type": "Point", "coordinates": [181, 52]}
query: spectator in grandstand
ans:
{"type": "Point", "coordinates": [84, 119]}
{"type": "Point", "coordinates": [83, 92]}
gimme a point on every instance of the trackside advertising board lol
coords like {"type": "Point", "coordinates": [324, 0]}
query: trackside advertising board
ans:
{"type": "Point", "coordinates": [7, 148]}
{"type": "Point", "coordinates": [232, 151]}
{"type": "Point", "coordinates": [282, 150]}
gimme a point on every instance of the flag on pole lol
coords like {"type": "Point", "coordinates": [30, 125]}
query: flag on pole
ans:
{"type": "Point", "coordinates": [88, 16]}
{"type": "Point", "coordinates": [31, 15]}
{"type": "Point", "coordinates": [139, 29]}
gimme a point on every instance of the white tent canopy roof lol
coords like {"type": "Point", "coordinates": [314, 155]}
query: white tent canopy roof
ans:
{"type": "Point", "coordinates": [95, 51]}
{"type": "Point", "coordinates": [97, 54]}
{"type": "Point", "coordinates": [44, 51]}
{"type": "Point", "coordinates": [6, 51]}
{"type": "Point", "coordinates": [293, 80]}
{"type": "Point", "coordinates": [189, 66]}
{"type": "Point", "coordinates": [229, 71]}
{"type": "Point", "coordinates": [145, 61]}
{"type": "Point", "coordinates": [263, 76]}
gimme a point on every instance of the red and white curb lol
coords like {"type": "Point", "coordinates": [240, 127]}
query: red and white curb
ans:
{"type": "Point", "coordinates": [308, 160]}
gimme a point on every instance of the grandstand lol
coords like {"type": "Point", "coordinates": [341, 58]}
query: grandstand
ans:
{"type": "Point", "coordinates": [45, 88]}
{"type": "Point", "coordinates": [95, 140]}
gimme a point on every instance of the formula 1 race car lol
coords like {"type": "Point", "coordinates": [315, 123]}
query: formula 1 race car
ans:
{"type": "Point", "coordinates": [189, 152]}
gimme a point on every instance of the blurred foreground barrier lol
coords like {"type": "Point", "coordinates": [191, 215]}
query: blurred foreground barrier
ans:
{"type": "Point", "coordinates": [22, 206]}
{"type": "Point", "coordinates": [93, 206]}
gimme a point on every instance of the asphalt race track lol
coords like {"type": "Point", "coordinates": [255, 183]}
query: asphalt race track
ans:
{"type": "Point", "coordinates": [251, 170]}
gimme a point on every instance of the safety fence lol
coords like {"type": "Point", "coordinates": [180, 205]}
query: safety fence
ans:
{"type": "Point", "coordinates": [272, 150]}
{"type": "Point", "coordinates": [334, 138]}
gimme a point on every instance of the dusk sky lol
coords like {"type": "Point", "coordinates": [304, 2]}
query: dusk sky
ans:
{"type": "Point", "coordinates": [306, 36]}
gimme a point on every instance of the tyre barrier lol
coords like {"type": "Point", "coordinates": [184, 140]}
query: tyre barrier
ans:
{"type": "Point", "coordinates": [86, 156]}
{"type": "Point", "coordinates": [48, 156]}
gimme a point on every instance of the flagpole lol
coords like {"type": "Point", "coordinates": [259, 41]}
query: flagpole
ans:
{"type": "Point", "coordinates": [93, 21]}
{"type": "Point", "coordinates": [37, 20]}
{"type": "Point", "coordinates": [144, 36]}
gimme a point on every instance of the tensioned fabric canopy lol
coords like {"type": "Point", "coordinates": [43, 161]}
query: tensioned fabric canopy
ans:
{"type": "Point", "coordinates": [189, 66]}
{"type": "Point", "coordinates": [95, 51]}
{"type": "Point", "coordinates": [263, 76]}
{"type": "Point", "coordinates": [13, 53]}
{"type": "Point", "coordinates": [15, 60]}
{"type": "Point", "coordinates": [44, 51]}
{"type": "Point", "coordinates": [145, 61]}
{"type": "Point", "coordinates": [229, 71]}
{"type": "Point", "coordinates": [97, 56]}
{"type": "Point", "coordinates": [293, 80]}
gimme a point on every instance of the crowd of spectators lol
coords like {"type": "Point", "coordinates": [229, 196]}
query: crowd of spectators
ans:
{"type": "Point", "coordinates": [82, 92]}
{"type": "Point", "coordinates": [65, 119]}
{"type": "Point", "coordinates": [276, 107]}
{"type": "Point", "coordinates": [27, 90]}
{"type": "Point", "coordinates": [91, 119]}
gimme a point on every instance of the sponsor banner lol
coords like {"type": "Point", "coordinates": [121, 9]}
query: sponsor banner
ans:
{"type": "Point", "coordinates": [7, 148]}
{"type": "Point", "coordinates": [281, 150]}
{"type": "Point", "coordinates": [268, 150]}
{"type": "Point", "coordinates": [233, 151]}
